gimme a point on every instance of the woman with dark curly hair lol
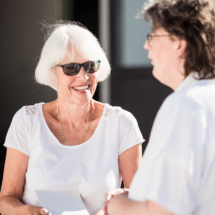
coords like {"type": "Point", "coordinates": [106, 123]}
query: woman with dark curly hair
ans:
{"type": "Point", "coordinates": [178, 168]}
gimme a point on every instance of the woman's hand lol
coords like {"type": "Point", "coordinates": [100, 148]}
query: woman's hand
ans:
{"type": "Point", "coordinates": [110, 195]}
{"type": "Point", "coordinates": [100, 212]}
{"type": "Point", "coordinates": [33, 210]}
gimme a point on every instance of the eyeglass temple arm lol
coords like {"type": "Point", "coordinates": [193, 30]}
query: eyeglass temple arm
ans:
{"type": "Point", "coordinates": [62, 66]}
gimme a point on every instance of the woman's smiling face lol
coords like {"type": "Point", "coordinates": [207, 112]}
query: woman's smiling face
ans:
{"type": "Point", "coordinates": [78, 89]}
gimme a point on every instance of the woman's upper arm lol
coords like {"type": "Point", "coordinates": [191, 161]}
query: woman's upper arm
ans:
{"type": "Point", "coordinates": [14, 173]}
{"type": "Point", "coordinates": [129, 162]}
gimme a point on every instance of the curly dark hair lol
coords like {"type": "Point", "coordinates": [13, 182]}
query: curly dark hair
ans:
{"type": "Point", "coordinates": [192, 20]}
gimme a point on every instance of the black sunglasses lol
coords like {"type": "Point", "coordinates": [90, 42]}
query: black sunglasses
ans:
{"type": "Point", "coordinates": [74, 68]}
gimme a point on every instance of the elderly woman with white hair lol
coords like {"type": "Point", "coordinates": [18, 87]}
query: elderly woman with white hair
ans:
{"type": "Point", "coordinates": [72, 144]}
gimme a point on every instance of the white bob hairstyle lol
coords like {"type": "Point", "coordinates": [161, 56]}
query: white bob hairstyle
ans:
{"type": "Point", "coordinates": [63, 38]}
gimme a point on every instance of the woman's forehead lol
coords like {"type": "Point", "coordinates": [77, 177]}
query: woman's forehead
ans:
{"type": "Point", "coordinates": [78, 54]}
{"type": "Point", "coordinates": [75, 57]}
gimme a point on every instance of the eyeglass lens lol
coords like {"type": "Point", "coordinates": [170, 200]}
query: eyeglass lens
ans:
{"type": "Point", "coordinates": [74, 68]}
{"type": "Point", "coordinates": [149, 37]}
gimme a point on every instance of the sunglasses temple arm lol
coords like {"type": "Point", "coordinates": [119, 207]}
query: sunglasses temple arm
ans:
{"type": "Point", "coordinates": [62, 66]}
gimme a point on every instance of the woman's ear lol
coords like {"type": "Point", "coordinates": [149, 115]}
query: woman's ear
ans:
{"type": "Point", "coordinates": [182, 45]}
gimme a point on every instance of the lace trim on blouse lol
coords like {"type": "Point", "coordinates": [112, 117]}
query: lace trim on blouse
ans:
{"type": "Point", "coordinates": [33, 110]}
{"type": "Point", "coordinates": [110, 111]}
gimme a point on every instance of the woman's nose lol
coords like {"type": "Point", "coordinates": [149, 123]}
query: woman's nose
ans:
{"type": "Point", "coordinates": [82, 75]}
{"type": "Point", "coordinates": [146, 45]}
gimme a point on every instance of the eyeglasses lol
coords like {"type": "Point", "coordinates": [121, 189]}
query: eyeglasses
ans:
{"type": "Point", "coordinates": [150, 36]}
{"type": "Point", "coordinates": [74, 68]}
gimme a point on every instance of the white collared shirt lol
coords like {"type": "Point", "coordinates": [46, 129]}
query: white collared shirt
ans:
{"type": "Point", "coordinates": [178, 167]}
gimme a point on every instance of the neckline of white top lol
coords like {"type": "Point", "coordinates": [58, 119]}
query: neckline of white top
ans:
{"type": "Point", "coordinates": [72, 146]}
{"type": "Point", "coordinates": [188, 81]}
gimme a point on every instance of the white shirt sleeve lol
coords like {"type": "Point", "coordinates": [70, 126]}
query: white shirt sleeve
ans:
{"type": "Point", "coordinates": [166, 183]}
{"type": "Point", "coordinates": [17, 136]}
{"type": "Point", "coordinates": [130, 134]}
{"type": "Point", "coordinates": [170, 171]}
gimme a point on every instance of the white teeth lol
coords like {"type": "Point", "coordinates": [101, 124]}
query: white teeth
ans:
{"type": "Point", "coordinates": [81, 88]}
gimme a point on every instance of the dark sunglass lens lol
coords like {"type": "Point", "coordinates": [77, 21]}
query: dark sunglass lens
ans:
{"type": "Point", "coordinates": [71, 69]}
{"type": "Point", "coordinates": [87, 67]}
{"type": "Point", "coordinates": [94, 66]}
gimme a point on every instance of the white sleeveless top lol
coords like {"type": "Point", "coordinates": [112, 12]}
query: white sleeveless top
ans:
{"type": "Point", "coordinates": [90, 168]}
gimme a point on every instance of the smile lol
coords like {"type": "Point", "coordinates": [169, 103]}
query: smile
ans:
{"type": "Point", "coordinates": [82, 88]}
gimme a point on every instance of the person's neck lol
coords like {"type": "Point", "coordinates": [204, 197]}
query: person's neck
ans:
{"type": "Point", "coordinates": [176, 76]}
{"type": "Point", "coordinates": [176, 81]}
{"type": "Point", "coordinates": [74, 114]}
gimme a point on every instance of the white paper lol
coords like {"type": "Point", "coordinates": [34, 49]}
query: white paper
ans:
{"type": "Point", "coordinates": [61, 203]}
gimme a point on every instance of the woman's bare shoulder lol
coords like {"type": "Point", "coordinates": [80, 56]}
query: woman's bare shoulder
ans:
{"type": "Point", "coordinates": [99, 108]}
{"type": "Point", "coordinates": [49, 107]}
{"type": "Point", "coordinates": [49, 111]}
